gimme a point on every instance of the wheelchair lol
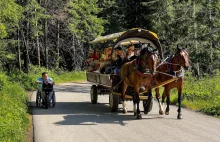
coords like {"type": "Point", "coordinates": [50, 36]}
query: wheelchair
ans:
{"type": "Point", "coordinates": [40, 102]}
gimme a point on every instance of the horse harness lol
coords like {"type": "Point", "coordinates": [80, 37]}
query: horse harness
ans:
{"type": "Point", "coordinates": [140, 70]}
{"type": "Point", "coordinates": [178, 73]}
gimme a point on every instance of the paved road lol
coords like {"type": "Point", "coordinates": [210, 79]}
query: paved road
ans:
{"type": "Point", "coordinates": [75, 119]}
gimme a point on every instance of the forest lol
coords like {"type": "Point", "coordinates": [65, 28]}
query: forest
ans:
{"type": "Point", "coordinates": [54, 35]}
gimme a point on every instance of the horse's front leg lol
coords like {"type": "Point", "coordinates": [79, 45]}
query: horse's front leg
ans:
{"type": "Point", "coordinates": [148, 105]}
{"type": "Point", "coordinates": [137, 99]}
{"type": "Point", "coordinates": [134, 105]}
{"type": "Point", "coordinates": [166, 94]}
{"type": "Point", "coordinates": [123, 88]}
{"type": "Point", "coordinates": [179, 116]}
{"type": "Point", "coordinates": [158, 100]}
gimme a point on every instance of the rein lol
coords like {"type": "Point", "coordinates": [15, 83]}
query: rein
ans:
{"type": "Point", "coordinates": [123, 78]}
{"type": "Point", "coordinates": [170, 70]}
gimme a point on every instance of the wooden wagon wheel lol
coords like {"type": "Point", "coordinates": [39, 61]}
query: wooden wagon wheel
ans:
{"type": "Point", "coordinates": [113, 102]}
{"type": "Point", "coordinates": [94, 94]}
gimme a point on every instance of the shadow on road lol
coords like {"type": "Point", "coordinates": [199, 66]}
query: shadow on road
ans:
{"type": "Point", "coordinates": [85, 113]}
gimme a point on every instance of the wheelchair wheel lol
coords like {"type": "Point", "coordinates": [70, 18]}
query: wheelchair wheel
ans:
{"type": "Point", "coordinates": [54, 99]}
{"type": "Point", "coordinates": [47, 102]}
{"type": "Point", "coordinates": [38, 99]}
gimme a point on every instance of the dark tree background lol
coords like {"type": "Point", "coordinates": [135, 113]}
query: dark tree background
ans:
{"type": "Point", "coordinates": [55, 34]}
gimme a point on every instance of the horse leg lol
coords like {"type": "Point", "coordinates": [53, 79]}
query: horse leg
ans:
{"type": "Point", "coordinates": [158, 100]}
{"type": "Point", "coordinates": [150, 97]}
{"type": "Point", "coordinates": [168, 105]}
{"type": "Point", "coordinates": [123, 88]}
{"type": "Point", "coordinates": [163, 99]}
{"type": "Point", "coordinates": [137, 99]}
{"type": "Point", "coordinates": [134, 105]}
{"type": "Point", "coordinates": [179, 116]}
{"type": "Point", "coordinates": [167, 94]}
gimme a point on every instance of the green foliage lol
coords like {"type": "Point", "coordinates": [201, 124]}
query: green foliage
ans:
{"type": "Point", "coordinates": [3, 32]}
{"type": "Point", "coordinates": [10, 14]}
{"type": "Point", "coordinates": [34, 14]}
{"type": "Point", "coordinates": [27, 81]}
{"type": "Point", "coordinates": [13, 99]}
{"type": "Point", "coordinates": [13, 111]}
{"type": "Point", "coordinates": [83, 21]}
{"type": "Point", "coordinates": [192, 23]}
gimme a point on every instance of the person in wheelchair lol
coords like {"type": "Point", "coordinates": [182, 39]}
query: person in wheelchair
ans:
{"type": "Point", "coordinates": [45, 80]}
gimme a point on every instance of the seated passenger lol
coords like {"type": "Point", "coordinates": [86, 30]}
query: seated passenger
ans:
{"type": "Point", "coordinates": [105, 60]}
{"type": "Point", "coordinates": [92, 56]}
{"type": "Point", "coordinates": [48, 80]}
{"type": "Point", "coordinates": [115, 57]}
{"type": "Point", "coordinates": [90, 61]}
{"type": "Point", "coordinates": [130, 54]}
{"type": "Point", "coordinates": [119, 62]}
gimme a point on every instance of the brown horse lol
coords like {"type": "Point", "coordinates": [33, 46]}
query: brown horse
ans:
{"type": "Point", "coordinates": [138, 73]}
{"type": "Point", "coordinates": [174, 67]}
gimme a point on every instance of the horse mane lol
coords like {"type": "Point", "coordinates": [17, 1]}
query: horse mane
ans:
{"type": "Point", "coordinates": [143, 51]}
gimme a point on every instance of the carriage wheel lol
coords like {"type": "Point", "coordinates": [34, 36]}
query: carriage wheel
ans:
{"type": "Point", "coordinates": [113, 102]}
{"type": "Point", "coordinates": [94, 94]}
{"type": "Point", "coordinates": [148, 104]}
{"type": "Point", "coordinates": [47, 103]}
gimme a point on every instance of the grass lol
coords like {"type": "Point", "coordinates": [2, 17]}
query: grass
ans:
{"type": "Point", "coordinates": [200, 95]}
{"type": "Point", "coordinates": [27, 81]}
{"type": "Point", "coordinates": [13, 111]}
{"type": "Point", "coordinates": [14, 118]}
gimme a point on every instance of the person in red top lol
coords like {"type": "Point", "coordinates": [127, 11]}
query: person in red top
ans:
{"type": "Point", "coordinates": [89, 62]}
{"type": "Point", "coordinates": [92, 56]}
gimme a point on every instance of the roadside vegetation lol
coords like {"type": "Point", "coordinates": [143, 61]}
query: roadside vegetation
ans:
{"type": "Point", "coordinates": [14, 120]}
{"type": "Point", "coordinates": [27, 81]}
{"type": "Point", "coordinates": [200, 95]}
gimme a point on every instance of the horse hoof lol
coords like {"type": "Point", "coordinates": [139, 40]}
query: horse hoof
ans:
{"type": "Point", "coordinates": [139, 116]}
{"type": "Point", "coordinates": [124, 111]}
{"type": "Point", "coordinates": [161, 112]}
{"type": "Point", "coordinates": [167, 112]}
{"type": "Point", "coordinates": [145, 112]}
{"type": "Point", "coordinates": [135, 113]}
{"type": "Point", "coordinates": [179, 116]}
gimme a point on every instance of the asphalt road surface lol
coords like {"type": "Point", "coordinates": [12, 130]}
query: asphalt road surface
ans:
{"type": "Point", "coordinates": [75, 119]}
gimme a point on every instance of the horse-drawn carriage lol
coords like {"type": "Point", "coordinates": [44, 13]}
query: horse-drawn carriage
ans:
{"type": "Point", "coordinates": [137, 74]}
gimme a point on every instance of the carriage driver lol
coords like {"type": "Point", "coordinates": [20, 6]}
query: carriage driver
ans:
{"type": "Point", "coordinates": [48, 80]}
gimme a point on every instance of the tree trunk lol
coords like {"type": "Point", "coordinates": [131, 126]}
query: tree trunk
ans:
{"type": "Point", "coordinates": [210, 19]}
{"type": "Point", "coordinates": [25, 53]}
{"type": "Point", "coordinates": [195, 25]}
{"type": "Point", "coordinates": [45, 37]}
{"type": "Point", "coordinates": [38, 46]}
{"type": "Point", "coordinates": [19, 51]}
{"type": "Point", "coordinates": [195, 37]}
{"type": "Point", "coordinates": [38, 51]}
{"type": "Point", "coordinates": [74, 52]}
{"type": "Point", "coordinates": [58, 45]}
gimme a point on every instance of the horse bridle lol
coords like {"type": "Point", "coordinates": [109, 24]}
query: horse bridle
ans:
{"type": "Point", "coordinates": [181, 67]}
{"type": "Point", "coordinates": [154, 56]}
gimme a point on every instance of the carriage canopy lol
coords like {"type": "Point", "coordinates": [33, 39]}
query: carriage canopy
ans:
{"type": "Point", "coordinates": [109, 37]}
{"type": "Point", "coordinates": [139, 36]}
{"type": "Point", "coordinates": [132, 36]}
